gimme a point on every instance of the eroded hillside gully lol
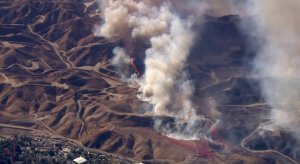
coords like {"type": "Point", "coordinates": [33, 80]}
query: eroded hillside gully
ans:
{"type": "Point", "coordinates": [152, 80]}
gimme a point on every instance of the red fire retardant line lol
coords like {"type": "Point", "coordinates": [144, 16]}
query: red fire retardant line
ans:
{"type": "Point", "coordinates": [134, 67]}
{"type": "Point", "coordinates": [203, 149]}
{"type": "Point", "coordinates": [199, 147]}
{"type": "Point", "coordinates": [214, 134]}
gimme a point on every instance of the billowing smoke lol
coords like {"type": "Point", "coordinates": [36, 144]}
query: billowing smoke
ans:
{"type": "Point", "coordinates": [277, 64]}
{"type": "Point", "coordinates": [121, 61]}
{"type": "Point", "coordinates": [167, 27]}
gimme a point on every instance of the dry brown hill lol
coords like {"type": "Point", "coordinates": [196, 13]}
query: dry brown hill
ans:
{"type": "Point", "coordinates": [56, 81]}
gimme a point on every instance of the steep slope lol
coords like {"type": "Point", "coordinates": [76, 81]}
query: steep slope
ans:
{"type": "Point", "coordinates": [56, 81]}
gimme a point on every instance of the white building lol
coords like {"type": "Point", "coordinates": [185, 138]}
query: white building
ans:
{"type": "Point", "coordinates": [79, 160]}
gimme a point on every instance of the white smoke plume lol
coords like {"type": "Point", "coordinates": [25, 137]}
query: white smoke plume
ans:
{"type": "Point", "coordinates": [167, 26]}
{"type": "Point", "coordinates": [121, 61]}
{"type": "Point", "coordinates": [277, 64]}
